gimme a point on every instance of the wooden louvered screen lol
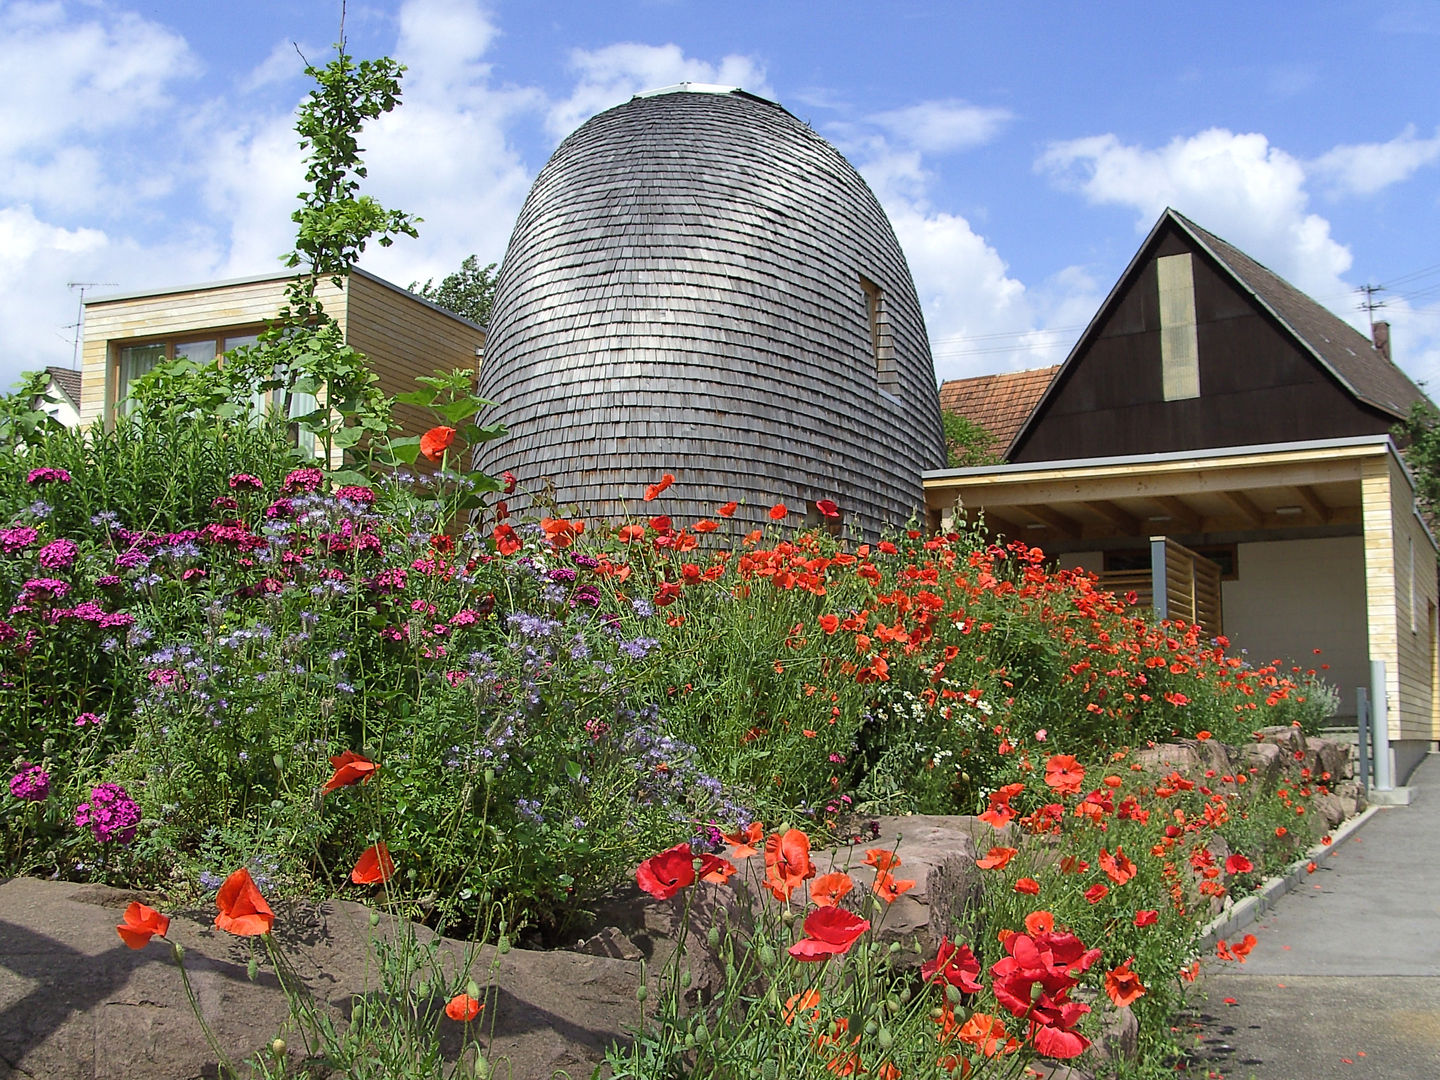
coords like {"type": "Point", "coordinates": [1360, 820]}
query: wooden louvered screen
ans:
{"type": "Point", "coordinates": [1181, 584]}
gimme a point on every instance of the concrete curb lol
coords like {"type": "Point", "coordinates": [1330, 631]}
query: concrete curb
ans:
{"type": "Point", "coordinates": [1240, 915]}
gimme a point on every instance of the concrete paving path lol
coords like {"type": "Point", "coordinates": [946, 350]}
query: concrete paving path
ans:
{"type": "Point", "coordinates": [1345, 979]}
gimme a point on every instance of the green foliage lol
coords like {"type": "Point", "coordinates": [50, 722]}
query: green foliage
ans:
{"type": "Point", "coordinates": [468, 292]}
{"type": "Point", "coordinates": [21, 423]}
{"type": "Point", "coordinates": [967, 443]}
{"type": "Point", "coordinates": [1419, 434]}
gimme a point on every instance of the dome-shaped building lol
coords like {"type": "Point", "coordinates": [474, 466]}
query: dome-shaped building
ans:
{"type": "Point", "coordinates": [699, 284]}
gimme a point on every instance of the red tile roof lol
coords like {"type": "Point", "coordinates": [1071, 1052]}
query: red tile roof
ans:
{"type": "Point", "coordinates": [998, 403]}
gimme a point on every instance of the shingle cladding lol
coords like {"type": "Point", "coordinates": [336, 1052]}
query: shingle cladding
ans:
{"type": "Point", "coordinates": [682, 293]}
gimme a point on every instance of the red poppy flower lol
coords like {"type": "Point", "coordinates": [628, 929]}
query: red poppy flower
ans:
{"type": "Point", "coordinates": [827, 508]}
{"type": "Point", "coordinates": [827, 889]}
{"type": "Point", "coordinates": [787, 863]}
{"type": "Point", "coordinates": [728, 510]}
{"type": "Point", "coordinates": [374, 867]}
{"type": "Point", "coordinates": [1123, 985]}
{"type": "Point", "coordinates": [141, 924]}
{"type": "Point", "coordinates": [1146, 918]}
{"type": "Point", "coordinates": [778, 511]}
{"type": "Point", "coordinates": [742, 842]}
{"type": "Point", "coordinates": [997, 858]}
{"type": "Point", "coordinates": [463, 1007]}
{"type": "Point", "coordinates": [436, 441]}
{"type": "Point", "coordinates": [1028, 885]}
{"type": "Point", "coordinates": [1064, 774]}
{"type": "Point", "coordinates": [706, 526]}
{"type": "Point", "coordinates": [954, 964]}
{"type": "Point", "coordinates": [665, 874]}
{"type": "Point", "coordinates": [1095, 893]}
{"type": "Point", "coordinates": [882, 858]}
{"type": "Point", "coordinates": [829, 931]}
{"type": "Point", "coordinates": [1238, 864]}
{"type": "Point", "coordinates": [1118, 867]}
{"type": "Point", "coordinates": [350, 768]}
{"type": "Point", "coordinates": [507, 542]}
{"type": "Point", "coordinates": [652, 492]}
{"type": "Point", "coordinates": [509, 479]}
{"type": "Point", "coordinates": [243, 911]}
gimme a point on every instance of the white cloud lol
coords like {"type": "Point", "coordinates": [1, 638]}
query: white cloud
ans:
{"type": "Point", "coordinates": [285, 63]}
{"type": "Point", "coordinates": [64, 77]}
{"type": "Point", "coordinates": [612, 75]}
{"type": "Point", "coordinates": [943, 126]}
{"type": "Point", "coordinates": [1238, 186]}
{"type": "Point", "coordinates": [1365, 168]}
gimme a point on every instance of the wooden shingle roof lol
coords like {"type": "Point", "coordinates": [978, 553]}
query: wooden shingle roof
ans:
{"type": "Point", "coordinates": [1349, 354]}
{"type": "Point", "coordinates": [998, 403]}
{"type": "Point", "coordinates": [685, 292]}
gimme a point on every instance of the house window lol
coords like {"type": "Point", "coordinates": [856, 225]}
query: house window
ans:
{"type": "Point", "coordinates": [133, 361]}
{"type": "Point", "coordinates": [1179, 346]}
{"type": "Point", "coordinates": [882, 343]}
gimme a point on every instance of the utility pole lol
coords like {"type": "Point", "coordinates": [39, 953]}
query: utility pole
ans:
{"type": "Point", "coordinates": [80, 316]}
{"type": "Point", "coordinates": [1370, 305]}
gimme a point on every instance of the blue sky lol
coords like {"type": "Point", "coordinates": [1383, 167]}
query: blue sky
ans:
{"type": "Point", "coordinates": [1021, 150]}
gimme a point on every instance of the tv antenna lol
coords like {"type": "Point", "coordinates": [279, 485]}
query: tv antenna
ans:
{"type": "Point", "coordinates": [80, 316]}
{"type": "Point", "coordinates": [1370, 305]}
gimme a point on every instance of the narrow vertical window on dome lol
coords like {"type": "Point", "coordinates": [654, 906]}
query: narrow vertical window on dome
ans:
{"type": "Point", "coordinates": [1179, 345]}
{"type": "Point", "coordinates": [882, 344]}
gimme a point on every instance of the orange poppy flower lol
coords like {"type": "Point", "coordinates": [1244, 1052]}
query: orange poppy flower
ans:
{"type": "Point", "coordinates": [1123, 985]}
{"type": "Point", "coordinates": [463, 1007]}
{"type": "Point", "coordinates": [243, 911]}
{"type": "Point", "coordinates": [728, 510]}
{"type": "Point", "coordinates": [888, 889]}
{"type": "Point", "coordinates": [778, 511]}
{"type": "Point", "coordinates": [1039, 922]}
{"type": "Point", "coordinates": [374, 867]}
{"type": "Point", "coordinates": [787, 863]}
{"type": "Point", "coordinates": [436, 441]}
{"type": "Point", "coordinates": [997, 858]}
{"type": "Point", "coordinates": [888, 1071]}
{"type": "Point", "coordinates": [1028, 885]}
{"type": "Point", "coordinates": [882, 858]}
{"type": "Point", "coordinates": [987, 1034]}
{"type": "Point", "coordinates": [1118, 867]}
{"type": "Point", "coordinates": [653, 491]}
{"type": "Point", "coordinates": [706, 526]}
{"type": "Point", "coordinates": [805, 999]}
{"type": "Point", "coordinates": [350, 768]}
{"type": "Point", "coordinates": [141, 924]}
{"type": "Point", "coordinates": [742, 843]}
{"type": "Point", "coordinates": [826, 890]}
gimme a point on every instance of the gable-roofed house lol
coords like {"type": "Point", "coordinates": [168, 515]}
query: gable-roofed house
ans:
{"type": "Point", "coordinates": [1218, 442]}
{"type": "Point", "coordinates": [61, 395]}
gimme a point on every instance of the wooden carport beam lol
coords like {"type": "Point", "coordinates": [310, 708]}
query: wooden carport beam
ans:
{"type": "Point", "coordinates": [1121, 519]}
{"type": "Point", "coordinates": [1179, 511]}
{"type": "Point", "coordinates": [1065, 526]}
{"type": "Point", "coordinates": [1248, 510]}
{"type": "Point", "coordinates": [1316, 505]}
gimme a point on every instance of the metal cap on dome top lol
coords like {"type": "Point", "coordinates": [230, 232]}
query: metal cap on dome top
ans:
{"type": "Point", "coordinates": [688, 88]}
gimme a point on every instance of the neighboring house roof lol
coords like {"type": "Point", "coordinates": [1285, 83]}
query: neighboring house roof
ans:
{"type": "Point", "coordinates": [67, 381]}
{"type": "Point", "coordinates": [1349, 354]}
{"type": "Point", "coordinates": [1346, 355]}
{"type": "Point", "coordinates": [998, 403]}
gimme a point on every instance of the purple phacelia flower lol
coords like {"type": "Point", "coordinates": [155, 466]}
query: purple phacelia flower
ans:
{"type": "Point", "coordinates": [111, 814]}
{"type": "Point", "coordinates": [31, 783]}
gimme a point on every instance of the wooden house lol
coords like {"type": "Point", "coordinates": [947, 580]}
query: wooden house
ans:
{"type": "Point", "coordinates": [1219, 443]}
{"type": "Point", "coordinates": [402, 334]}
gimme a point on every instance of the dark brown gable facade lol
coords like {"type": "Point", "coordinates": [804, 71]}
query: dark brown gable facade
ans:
{"type": "Point", "coordinates": [1199, 347]}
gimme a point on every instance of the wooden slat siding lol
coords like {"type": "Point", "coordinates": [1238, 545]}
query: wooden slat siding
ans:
{"type": "Point", "coordinates": [1381, 602]}
{"type": "Point", "coordinates": [112, 324]}
{"type": "Point", "coordinates": [682, 294]}
{"type": "Point", "coordinates": [403, 338]}
{"type": "Point", "coordinates": [1416, 718]}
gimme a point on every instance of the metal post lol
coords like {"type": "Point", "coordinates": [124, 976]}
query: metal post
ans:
{"type": "Point", "coordinates": [1159, 579]}
{"type": "Point", "coordinates": [1380, 725]}
{"type": "Point", "coordinates": [1362, 736]}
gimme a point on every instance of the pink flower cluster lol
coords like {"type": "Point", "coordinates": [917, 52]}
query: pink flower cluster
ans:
{"type": "Point", "coordinates": [356, 494]}
{"type": "Point", "coordinates": [58, 554]}
{"type": "Point", "coordinates": [307, 479]}
{"type": "Point", "coordinates": [111, 814]}
{"type": "Point", "coordinates": [47, 475]}
{"type": "Point", "coordinates": [17, 538]}
{"type": "Point", "coordinates": [245, 482]}
{"type": "Point", "coordinates": [31, 783]}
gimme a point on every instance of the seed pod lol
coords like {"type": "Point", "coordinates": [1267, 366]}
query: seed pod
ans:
{"type": "Point", "coordinates": [473, 989]}
{"type": "Point", "coordinates": [712, 937]}
{"type": "Point", "coordinates": [278, 1046]}
{"type": "Point", "coordinates": [641, 993]}
{"type": "Point", "coordinates": [685, 979]}
{"type": "Point", "coordinates": [885, 1038]}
